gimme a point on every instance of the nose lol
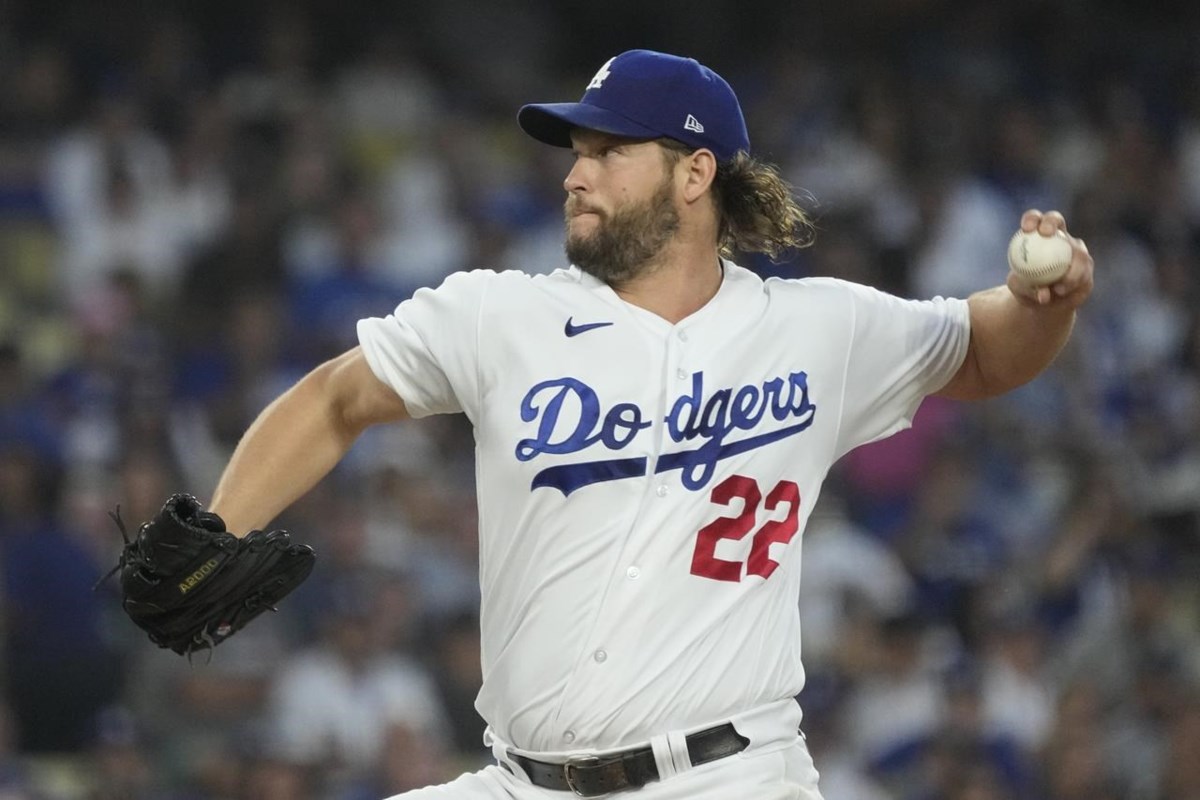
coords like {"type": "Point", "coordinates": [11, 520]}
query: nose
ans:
{"type": "Point", "coordinates": [576, 180]}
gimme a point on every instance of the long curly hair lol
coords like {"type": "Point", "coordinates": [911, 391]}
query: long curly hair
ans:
{"type": "Point", "coordinates": [757, 211]}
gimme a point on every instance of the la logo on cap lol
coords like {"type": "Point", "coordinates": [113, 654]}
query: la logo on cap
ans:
{"type": "Point", "coordinates": [643, 94]}
{"type": "Point", "coordinates": [598, 78]}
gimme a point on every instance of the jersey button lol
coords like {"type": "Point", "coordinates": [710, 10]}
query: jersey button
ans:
{"type": "Point", "coordinates": [682, 336]}
{"type": "Point", "coordinates": [569, 736]}
{"type": "Point", "coordinates": [632, 573]}
{"type": "Point", "coordinates": [681, 373]}
{"type": "Point", "coordinates": [661, 490]}
{"type": "Point", "coordinates": [600, 656]}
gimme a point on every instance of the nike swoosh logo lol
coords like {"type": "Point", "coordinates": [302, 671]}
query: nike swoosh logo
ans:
{"type": "Point", "coordinates": [572, 329]}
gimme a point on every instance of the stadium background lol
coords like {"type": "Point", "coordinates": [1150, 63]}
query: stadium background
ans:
{"type": "Point", "coordinates": [198, 200]}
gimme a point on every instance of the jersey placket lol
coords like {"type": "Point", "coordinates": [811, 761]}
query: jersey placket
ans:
{"type": "Point", "coordinates": [600, 661]}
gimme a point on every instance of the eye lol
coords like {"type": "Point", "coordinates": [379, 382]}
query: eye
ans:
{"type": "Point", "coordinates": [601, 151]}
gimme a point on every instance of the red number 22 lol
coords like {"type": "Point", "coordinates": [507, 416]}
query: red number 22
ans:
{"type": "Point", "coordinates": [704, 559]}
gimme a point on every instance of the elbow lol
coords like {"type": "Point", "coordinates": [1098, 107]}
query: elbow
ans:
{"type": "Point", "coordinates": [354, 398]}
{"type": "Point", "coordinates": [974, 382]}
{"type": "Point", "coordinates": [969, 382]}
{"type": "Point", "coordinates": [331, 397]}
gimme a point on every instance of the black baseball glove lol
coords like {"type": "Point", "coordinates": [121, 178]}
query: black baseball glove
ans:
{"type": "Point", "coordinates": [190, 584]}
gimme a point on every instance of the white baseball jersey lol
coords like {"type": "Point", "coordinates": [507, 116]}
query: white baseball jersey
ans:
{"type": "Point", "coordinates": [643, 486]}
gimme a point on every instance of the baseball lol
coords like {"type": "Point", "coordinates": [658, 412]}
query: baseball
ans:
{"type": "Point", "coordinates": [1039, 259]}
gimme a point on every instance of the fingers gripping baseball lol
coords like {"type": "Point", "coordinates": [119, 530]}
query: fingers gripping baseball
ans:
{"type": "Point", "coordinates": [1066, 290]}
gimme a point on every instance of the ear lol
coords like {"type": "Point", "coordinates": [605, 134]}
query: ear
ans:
{"type": "Point", "coordinates": [700, 169]}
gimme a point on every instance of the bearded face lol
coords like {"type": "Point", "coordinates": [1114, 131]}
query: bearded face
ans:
{"type": "Point", "coordinates": [627, 242]}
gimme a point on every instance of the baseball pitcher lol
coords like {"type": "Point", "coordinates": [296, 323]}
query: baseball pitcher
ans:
{"type": "Point", "coordinates": [653, 424]}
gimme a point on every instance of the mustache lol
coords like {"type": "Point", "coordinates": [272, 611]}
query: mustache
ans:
{"type": "Point", "coordinates": [574, 207]}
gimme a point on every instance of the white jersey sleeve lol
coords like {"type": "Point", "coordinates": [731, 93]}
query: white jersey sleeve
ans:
{"type": "Point", "coordinates": [427, 350]}
{"type": "Point", "coordinates": [900, 352]}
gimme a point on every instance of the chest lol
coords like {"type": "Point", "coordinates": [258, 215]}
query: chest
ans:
{"type": "Point", "coordinates": [576, 405]}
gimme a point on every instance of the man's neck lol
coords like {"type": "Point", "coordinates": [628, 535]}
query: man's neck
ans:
{"type": "Point", "coordinates": [678, 286]}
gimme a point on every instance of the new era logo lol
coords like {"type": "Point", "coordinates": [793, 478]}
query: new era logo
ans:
{"type": "Point", "coordinates": [693, 124]}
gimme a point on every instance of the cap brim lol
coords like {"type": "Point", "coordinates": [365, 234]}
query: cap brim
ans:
{"type": "Point", "coordinates": [552, 122]}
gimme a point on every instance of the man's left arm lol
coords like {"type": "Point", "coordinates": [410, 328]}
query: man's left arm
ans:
{"type": "Point", "coordinates": [1018, 329]}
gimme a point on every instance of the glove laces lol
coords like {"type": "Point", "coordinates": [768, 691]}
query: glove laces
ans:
{"type": "Point", "coordinates": [129, 555]}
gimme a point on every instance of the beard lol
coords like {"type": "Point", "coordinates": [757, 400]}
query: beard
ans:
{"type": "Point", "coordinates": [627, 243]}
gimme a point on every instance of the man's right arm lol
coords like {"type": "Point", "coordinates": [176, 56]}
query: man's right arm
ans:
{"type": "Point", "coordinates": [299, 438]}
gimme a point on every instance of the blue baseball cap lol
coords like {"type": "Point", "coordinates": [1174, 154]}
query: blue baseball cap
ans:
{"type": "Point", "coordinates": [646, 95]}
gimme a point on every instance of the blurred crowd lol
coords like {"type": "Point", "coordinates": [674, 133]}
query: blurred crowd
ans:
{"type": "Point", "coordinates": [196, 206]}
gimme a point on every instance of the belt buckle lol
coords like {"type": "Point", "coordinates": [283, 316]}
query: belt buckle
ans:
{"type": "Point", "coordinates": [576, 762]}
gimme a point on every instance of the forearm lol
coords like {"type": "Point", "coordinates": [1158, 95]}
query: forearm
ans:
{"type": "Point", "coordinates": [1012, 342]}
{"type": "Point", "coordinates": [288, 449]}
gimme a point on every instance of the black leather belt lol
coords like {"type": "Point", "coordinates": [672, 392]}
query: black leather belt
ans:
{"type": "Point", "coordinates": [592, 776]}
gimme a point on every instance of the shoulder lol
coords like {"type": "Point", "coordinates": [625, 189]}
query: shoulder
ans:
{"type": "Point", "coordinates": [843, 293]}
{"type": "Point", "coordinates": [748, 281]}
{"type": "Point", "coordinates": [514, 277]}
{"type": "Point", "coordinates": [508, 281]}
{"type": "Point", "coordinates": [832, 301]}
{"type": "Point", "coordinates": [818, 295]}
{"type": "Point", "coordinates": [787, 297]}
{"type": "Point", "coordinates": [823, 288]}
